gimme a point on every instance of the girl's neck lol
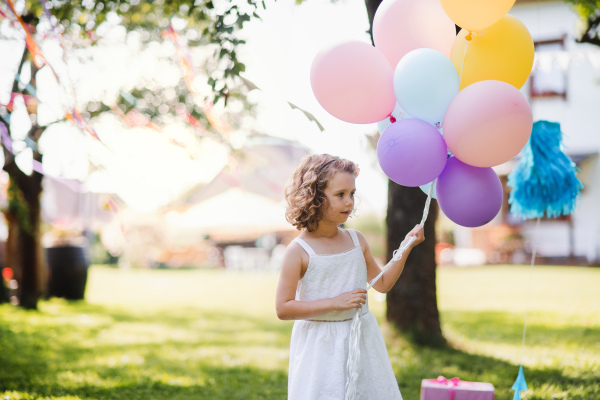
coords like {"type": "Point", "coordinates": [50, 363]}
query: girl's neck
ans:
{"type": "Point", "coordinates": [325, 230]}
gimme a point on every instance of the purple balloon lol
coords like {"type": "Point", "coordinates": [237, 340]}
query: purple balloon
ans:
{"type": "Point", "coordinates": [412, 152]}
{"type": "Point", "coordinates": [469, 196]}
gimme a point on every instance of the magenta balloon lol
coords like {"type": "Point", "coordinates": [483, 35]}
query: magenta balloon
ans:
{"type": "Point", "coordinates": [412, 152]}
{"type": "Point", "coordinates": [487, 123]}
{"type": "Point", "coordinates": [354, 82]}
{"type": "Point", "coordinates": [469, 196]}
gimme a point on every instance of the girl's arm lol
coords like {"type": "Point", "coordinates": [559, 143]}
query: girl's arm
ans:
{"type": "Point", "coordinates": [389, 278]}
{"type": "Point", "coordinates": [288, 307]}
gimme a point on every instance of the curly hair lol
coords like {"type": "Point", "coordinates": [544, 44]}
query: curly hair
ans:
{"type": "Point", "coordinates": [305, 191]}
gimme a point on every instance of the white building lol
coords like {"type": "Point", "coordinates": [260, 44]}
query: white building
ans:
{"type": "Point", "coordinates": [564, 87]}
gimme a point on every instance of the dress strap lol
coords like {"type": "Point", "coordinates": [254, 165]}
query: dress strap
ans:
{"type": "Point", "coordinates": [352, 233]}
{"type": "Point", "coordinates": [305, 246]}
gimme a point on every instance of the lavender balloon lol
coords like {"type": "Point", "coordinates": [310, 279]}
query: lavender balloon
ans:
{"type": "Point", "coordinates": [469, 196]}
{"type": "Point", "coordinates": [411, 152]}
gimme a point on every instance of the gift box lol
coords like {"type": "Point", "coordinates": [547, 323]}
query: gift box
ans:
{"type": "Point", "coordinates": [455, 389]}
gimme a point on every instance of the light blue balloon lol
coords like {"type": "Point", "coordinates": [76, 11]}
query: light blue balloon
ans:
{"type": "Point", "coordinates": [425, 189]}
{"type": "Point", "coordinates": [425, 82]}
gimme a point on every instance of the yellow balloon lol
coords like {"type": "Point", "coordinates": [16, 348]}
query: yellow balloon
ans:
{"type": "Point", "coordinates": [475, 15]}
{"type": "Point", "coordinates": [503, 52]}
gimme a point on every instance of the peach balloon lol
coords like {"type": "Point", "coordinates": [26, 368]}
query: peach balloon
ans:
{"type": "Point", "coordinates": [504, 52]}
{"type": "Point", "coordinates": [487, 123]}
{"type": "Point", "coordinates": [400, 26]}
{"type": "Point", "coordinates": [353, 82]}
{"type": "Point", "coordinates": [475, 15]}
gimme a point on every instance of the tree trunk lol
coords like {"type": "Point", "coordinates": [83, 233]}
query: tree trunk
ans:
{"type": "Point", "coordinates": [23, 247]}
{"type": "Point", "coordinates": [4, 293]}
{"type": "Point", "coordinates": [371, 8]}
{"type": "Point", "coordinates": [412, 302]}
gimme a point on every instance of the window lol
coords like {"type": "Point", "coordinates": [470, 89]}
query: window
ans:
{"type": "Point", "coordinates": [549, 75]}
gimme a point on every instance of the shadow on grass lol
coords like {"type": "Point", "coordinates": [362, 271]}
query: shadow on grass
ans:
{"type": "Point", "coordinates": [507, 328]}
{"type": "Point", "coordinates": [165, 354]}
{"type": "Point", "coordinates": [235, 383]}
{"type": "Point", "coordinates": [414, 363]}
{"type": "Point", "coordinates": [545, 383]}
{"type": "Point", "coordinates": [188, 353]}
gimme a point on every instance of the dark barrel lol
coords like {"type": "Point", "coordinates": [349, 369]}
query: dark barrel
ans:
{"type": "Point", "coordinates": [68, 268]}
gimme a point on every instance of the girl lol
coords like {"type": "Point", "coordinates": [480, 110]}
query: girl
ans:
{"type": "Point", "coordinates": [321, 284]}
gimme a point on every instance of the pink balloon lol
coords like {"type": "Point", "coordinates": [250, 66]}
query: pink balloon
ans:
{"type": "Point", "coordinates": [353, 82]}
{"type": "Point", "coordinates": [487, 123]}
{"type": "Point", "coordinates": [400, 26]}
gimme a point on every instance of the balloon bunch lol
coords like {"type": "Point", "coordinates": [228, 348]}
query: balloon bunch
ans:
{"type": "Point", "coordinates": [448, 106]}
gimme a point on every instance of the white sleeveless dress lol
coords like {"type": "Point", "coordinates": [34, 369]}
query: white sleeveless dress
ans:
{"type": "Point", "coordinates": [319, 347]}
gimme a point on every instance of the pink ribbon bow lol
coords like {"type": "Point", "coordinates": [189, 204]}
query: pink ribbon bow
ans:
{"type": "Point", "coordinates": [451, 383]}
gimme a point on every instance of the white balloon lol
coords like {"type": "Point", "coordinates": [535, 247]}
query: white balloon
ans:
{"type": "Point", "coordinates": [425, 189]}
{"type": "Point", "coordinates": [425, 82]}
{"type": "Point", "coordinates": [398, 113]}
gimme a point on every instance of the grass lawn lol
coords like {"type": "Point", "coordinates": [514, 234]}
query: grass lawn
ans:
{"type": "Point", "coordinates": [206, 334]}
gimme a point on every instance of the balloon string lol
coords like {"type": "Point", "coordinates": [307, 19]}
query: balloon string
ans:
{"type": "Point", "coordinates": [533, 254]}
{"type": "Point", "coordinates": [397, 254]}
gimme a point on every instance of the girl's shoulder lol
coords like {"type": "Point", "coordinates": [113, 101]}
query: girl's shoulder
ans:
{"type": "Point", "coordinates": [295, 253]}
{"type": "Point", "coordinates": [356, 231]}
{"type": "Point", "coordinates": [299, 246]}
{"type": "Point", "coordinates": [361, 238]}
{"type": "Point", "coordinates": [294, 247]}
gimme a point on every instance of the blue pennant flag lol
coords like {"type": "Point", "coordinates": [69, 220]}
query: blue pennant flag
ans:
{"type": "Point", "coordinates": [544, 181]}
{"type": "Point", "coordinates": [519, 385]}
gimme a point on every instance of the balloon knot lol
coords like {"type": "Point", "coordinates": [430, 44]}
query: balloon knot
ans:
{"type": "Point", "coordinates": [392, 119]}
{"type": "Point", "coordinates": [473, 34]}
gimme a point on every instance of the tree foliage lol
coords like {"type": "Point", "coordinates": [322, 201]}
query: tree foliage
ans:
{"type": "Point", "coordinates": [203, 22]}
{"type": "Point", "coordinates": [589, 10]}
{"type": "Point", "coordinates": [81, 24]}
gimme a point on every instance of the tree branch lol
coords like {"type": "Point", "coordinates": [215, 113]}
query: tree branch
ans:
{"type": "Point", "coordinates": [10, 165]}
{"type": "Point", "coordinates": [15, 87]}
{"type": "Point", "coordinates": [591, 33]}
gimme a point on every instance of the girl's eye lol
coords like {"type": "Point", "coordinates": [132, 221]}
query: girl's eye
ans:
{"type": "Point", "coordinates": [341, 195]}
{"type": "Point", "coordinates": [351, 194]}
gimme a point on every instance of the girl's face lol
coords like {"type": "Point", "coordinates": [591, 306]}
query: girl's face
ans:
{"type": "Point", "coordinates": [340, 197]}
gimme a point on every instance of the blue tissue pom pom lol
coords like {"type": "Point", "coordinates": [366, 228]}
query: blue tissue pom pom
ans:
{"type": "Point", "coordinates": [545, 179]}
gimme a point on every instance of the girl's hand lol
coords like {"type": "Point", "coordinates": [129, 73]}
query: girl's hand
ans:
{"type": "Point", "coordinates": [417, 232]}
{"type": "Point", "coordinates": [350, 300]}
